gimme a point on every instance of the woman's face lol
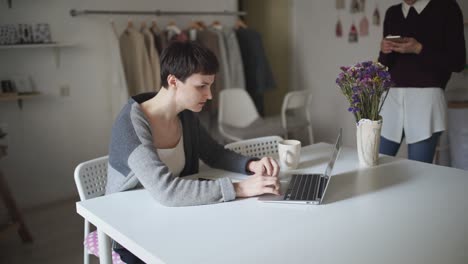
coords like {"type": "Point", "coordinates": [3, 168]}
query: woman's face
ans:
{"type": "Point", "coordinates": [195, 92]}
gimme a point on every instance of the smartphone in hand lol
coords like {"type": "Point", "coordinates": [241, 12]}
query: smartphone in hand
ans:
{"type": "Point", "coordinates": [397, 39]}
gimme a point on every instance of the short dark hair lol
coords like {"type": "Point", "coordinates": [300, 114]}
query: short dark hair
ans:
{"type": "Point", "coordinates": [182, 59]}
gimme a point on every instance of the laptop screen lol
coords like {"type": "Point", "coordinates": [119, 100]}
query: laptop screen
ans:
{"type": "Point", "coordinates": [325, 181]}
{"type": "Point", "coordinates": [331, 163]}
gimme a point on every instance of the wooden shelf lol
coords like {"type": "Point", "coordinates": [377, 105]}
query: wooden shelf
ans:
{"type": "Point", "coordinates": [36, 46]}
{"type": "Point", "coordinates": [458, 104]}
{"type": "Point", "coordinates": [15, 96]}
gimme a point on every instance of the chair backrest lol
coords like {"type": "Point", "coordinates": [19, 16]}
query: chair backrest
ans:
{"type": "Point", "coordinates": [91, 178]}
{"type": "Point", "coordinates": [236, 108]}
{"type": "Point", "coordinates": [256, 147]}
{"type": "Point", "coordinates": [295, 101]}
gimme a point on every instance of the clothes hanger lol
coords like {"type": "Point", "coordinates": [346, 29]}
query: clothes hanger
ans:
{"type": "Point", "coordinates": [217, 25]}
{"type": "Point", "coordinates": [240, 24]}
{"type": "Point", "coordinates": [194, 25]}
{"type": "Point", "coordinates": [143, 25]}
{"type": "Point", "coordinates": [193, 28]}
{"type": "Point", "coordinates": [171, 26]}
{"type": "Point", "coordinates": [129, 26]}
{"type": "Point", "coordinates": [201, 24]}
{"type": "Point", "coordinates": [154, 26]}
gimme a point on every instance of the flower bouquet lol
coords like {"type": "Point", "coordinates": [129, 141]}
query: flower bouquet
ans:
{"type": "Point", "coordinates": [366, 86]}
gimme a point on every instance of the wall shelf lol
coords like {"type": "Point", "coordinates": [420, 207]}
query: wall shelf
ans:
{"type": "Point", "coordinates": [17, 97]}
{"type": "Point", "coordinates": [36, 46]}
{"type": "Point", "coordinates": [55, 45]}
{"type": "Point", "coordinates": [457, 104]}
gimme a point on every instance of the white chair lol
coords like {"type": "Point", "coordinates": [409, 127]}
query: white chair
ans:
{"type": "Point", "coordinates": [238, 118]}
{"type": "Point", "coordinates": [295, 113]}
{"type": "Point", "coordinates": [90, 179]}
{"type": "Point", "coordinates": [256, 147]}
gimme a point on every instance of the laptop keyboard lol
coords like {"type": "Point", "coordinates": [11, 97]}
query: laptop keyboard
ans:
{"type": "Point", "coordinates": [303, 187]}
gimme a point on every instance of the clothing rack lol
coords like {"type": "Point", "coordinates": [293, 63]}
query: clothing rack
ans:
{"type": "Point", "coordinates": [74, 12]}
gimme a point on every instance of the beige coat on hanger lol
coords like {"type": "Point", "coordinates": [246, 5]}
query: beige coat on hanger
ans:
{"type": "Point", "coordinates": [153, 57]}
{"type": "Point", "coordinates": [136, 62]}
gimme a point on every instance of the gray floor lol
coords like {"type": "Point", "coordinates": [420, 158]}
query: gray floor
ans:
{"type": "Point", "coordinates": [58, 235]}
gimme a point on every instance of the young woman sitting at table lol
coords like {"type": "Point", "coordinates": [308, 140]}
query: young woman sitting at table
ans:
{"type": "Point", "coordinates": [157, 139]}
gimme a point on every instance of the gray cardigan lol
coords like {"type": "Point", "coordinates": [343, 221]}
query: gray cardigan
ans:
{"type": "Point", "coordinates": [134, 161]}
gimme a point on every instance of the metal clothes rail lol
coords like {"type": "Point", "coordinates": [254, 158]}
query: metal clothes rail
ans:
{"type": "Point", "coordinates": [74, 12]}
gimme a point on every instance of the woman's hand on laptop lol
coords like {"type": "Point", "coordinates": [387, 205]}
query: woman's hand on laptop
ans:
{"type": "Point", "coordinates": [257, 184]}
{"type": "Point", "coordinates": [266, 166]}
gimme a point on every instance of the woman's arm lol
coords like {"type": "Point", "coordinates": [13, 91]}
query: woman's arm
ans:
{"type": "Point", "coordinates": [169, 190]}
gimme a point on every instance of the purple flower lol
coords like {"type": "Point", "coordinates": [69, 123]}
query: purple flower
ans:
{"type": "Point", "coordinates": [366, 64]}
{"type": "Point", "coordinates": [363, 84]}
{"type": "Point", "coordinates": [353, 110]}
{"type": "Point", "coordinates": [356, 99]}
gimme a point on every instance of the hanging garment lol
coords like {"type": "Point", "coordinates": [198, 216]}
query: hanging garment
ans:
{"type": "Point", "coordinates": [160, 39]}
{"type": "Point", "coordinates": [364, 27]}
{"type": "Point", "coordinates": [258, 74]}
{"type": "Point", "coordinates": [223, 59]}
{"type": "Point", "coordinates": [118, 85]}
{"type": "Point", "coordinates": [209, 39]}
{"type": "Point", "coordinates": [173, 33]}
{"type": "Point", "coordinates": [153, 57]}
{"type": "Point", "coordinates": [234, 59]}
{"type": "Point", "coordinates": [135, 61]}
{"type": "Point", "coordinates": [259, 77]}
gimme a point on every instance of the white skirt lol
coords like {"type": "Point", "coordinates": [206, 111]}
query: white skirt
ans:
{"type": "Point", "coordinates": [419, 112]}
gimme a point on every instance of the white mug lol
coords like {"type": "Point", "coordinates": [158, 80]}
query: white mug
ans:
{"type": "Point", "coordinates": [289, 154]}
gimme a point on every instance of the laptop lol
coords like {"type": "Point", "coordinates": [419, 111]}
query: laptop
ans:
{"type": "Point", "coordinates": [307, 188]}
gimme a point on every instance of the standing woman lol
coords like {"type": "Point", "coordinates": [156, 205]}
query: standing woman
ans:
{"type": "Point", "coordinates": [157, 139]}
{"type": "Point", "coordinates": [421, 63]}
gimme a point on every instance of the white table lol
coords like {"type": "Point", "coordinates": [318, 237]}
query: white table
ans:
{"type": "Point", "coordinates": [398, 212]}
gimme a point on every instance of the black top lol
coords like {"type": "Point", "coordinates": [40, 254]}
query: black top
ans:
{"type": "Point", "coordinates": [440, 30]}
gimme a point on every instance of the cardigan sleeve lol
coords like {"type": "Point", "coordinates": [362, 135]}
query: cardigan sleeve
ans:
{"type": "Point", "coordinates": [169, 190]}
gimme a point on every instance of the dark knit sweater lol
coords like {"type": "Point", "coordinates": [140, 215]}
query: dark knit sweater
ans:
{"type": "Point", "coordinates": [439, 28]}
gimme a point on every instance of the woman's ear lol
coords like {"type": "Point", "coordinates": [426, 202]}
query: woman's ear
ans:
{"type": "Point", "coordinates": [171, 81]}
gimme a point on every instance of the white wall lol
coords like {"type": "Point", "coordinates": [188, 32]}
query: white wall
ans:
{"type": "Point", "coordinates": [52, 134]}
{"type": "Point", "coordinates": [318, 54]}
